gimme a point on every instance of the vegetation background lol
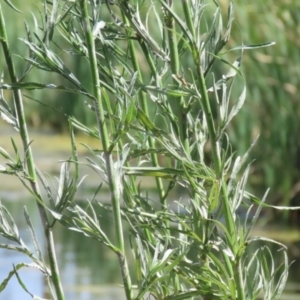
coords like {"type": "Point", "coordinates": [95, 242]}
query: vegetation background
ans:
{"type": "Point", "coordinates": [272, 108]}
{"type": "Point", "coordinates": [147, 232]}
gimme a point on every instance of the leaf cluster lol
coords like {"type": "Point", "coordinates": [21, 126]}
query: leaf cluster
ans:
{"type": "Point", "coordinates": [197, 245]}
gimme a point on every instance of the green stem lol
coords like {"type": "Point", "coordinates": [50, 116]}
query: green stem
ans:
{"type": "Point", "coordinates": [209, 117]}
{"type": "Point", "coordinates": [29, 160]}
{"type": "Point", "coordinates": [182, 111]}
{"type": "Point", "coordinates": [213, 140]}
{"type": "Point", "coordinates": [111, 175]}
{"type": "Point", "coordinates": [174, 63]}
{"type": "Point", "coordinates": [205, 104]}
{"type": "Point", "coordinates": [188, 16]}
{"type": "Point", "coordinates": [238, 274]}
{"type": "Point", "coordinates": [144, 106]}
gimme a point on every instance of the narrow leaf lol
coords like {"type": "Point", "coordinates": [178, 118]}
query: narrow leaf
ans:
{"type": "Point", "coordinates": [12, 6]}
{"type": "Point", "coordinates": [255, 46]}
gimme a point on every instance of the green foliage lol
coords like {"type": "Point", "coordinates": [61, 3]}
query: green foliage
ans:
{"type": "Point", "coordinates": [271, 75]}
{"type": "Point", "coordinates": [272, 109]}
{"type": "Point", "coordinates": [136, 82]}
